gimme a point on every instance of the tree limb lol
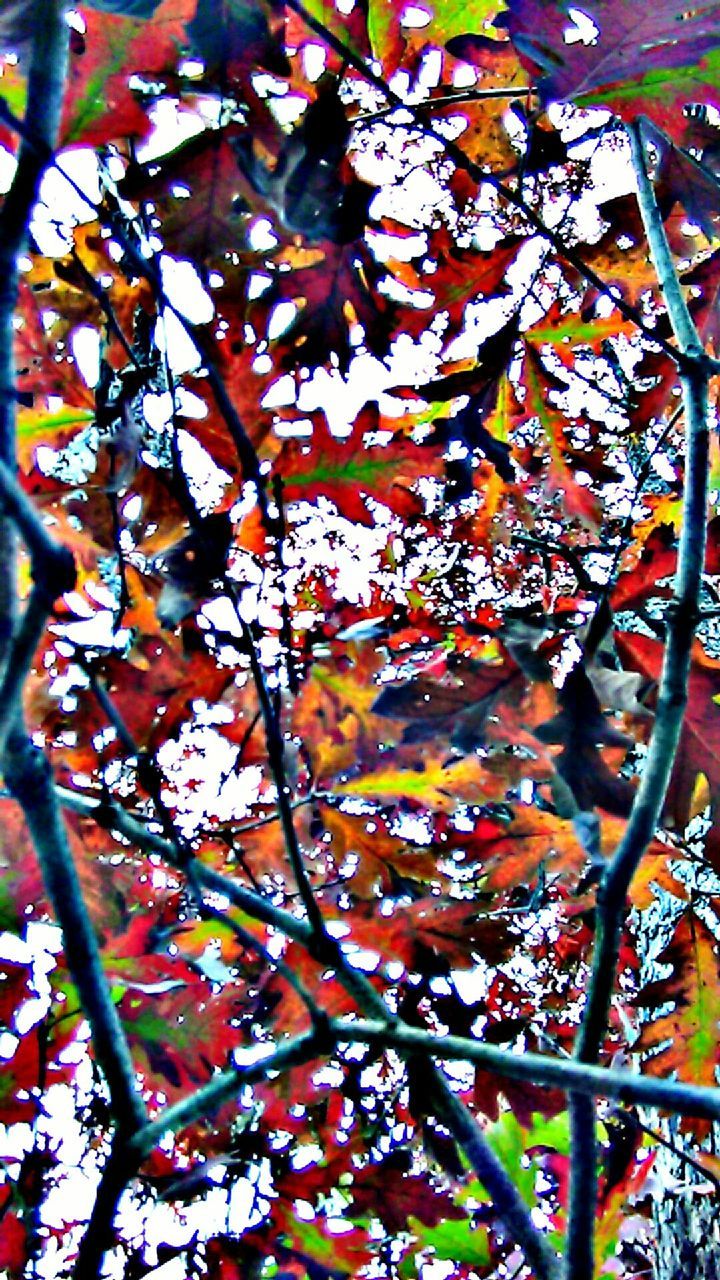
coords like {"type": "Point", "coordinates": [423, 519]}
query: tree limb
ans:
{"type": "Point", "coordinates": [682, 620]}
{"type": "Point", "coordinates": [506, 1199]}
{"type": "Point", "coordinates": [29, 778]}
{"type": "Point", "coordinates": [46, 82]}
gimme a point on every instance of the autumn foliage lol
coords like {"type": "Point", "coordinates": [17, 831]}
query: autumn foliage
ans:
{"type": "Point", "coordinates": [358, 652]}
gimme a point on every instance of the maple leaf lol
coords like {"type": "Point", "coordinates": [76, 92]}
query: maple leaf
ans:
{"type": "Point", "coordinates": [657, 561]}
{"type": "Point", "coordinates": [289, 1011]}
{"type": "Point", "coordinates": [684, 1040]}
{"type": "Point", "coordinates": [457, 707]}
{"type": "Point", "coordinates": [435, 784]}
{"type": "Point", "coordinates": [433, 931]}
{"type": "Point", "coordinates": [348, 470]}
{"type": "Point", "coordinates": [461, 272]}
{"type": "Point", "coordinates": [230, 35]}
{"type": "Point", "coordinates": [699, 749]}
{"type": "Point", "coordinates": [580, 728]}
{"type": "Point", "coordinates": [198, 191]}
{"type": "Point", "coordinates": [383, 859]}
{"type": "Point", "coordinates": [159, 995]}
{"type": "Point", "coordinates": [651, 62]}
{"type": "Point", "coordinates": [512, 854]}
{"type": "Point", "coordinates": [391, 1193]}
{"type": "Point", "coordinates": [333, 712]}
{"type": "Point", "coordinates": [100, 106]}
{"type": "Point", "coordinates": [331, 300]}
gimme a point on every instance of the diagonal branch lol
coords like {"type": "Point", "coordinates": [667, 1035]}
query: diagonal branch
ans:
{"type": "Point", "coordinates": [29, 779]}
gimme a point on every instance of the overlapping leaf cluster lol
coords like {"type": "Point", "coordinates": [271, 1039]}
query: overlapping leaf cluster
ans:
{"type": "Point", "coordinates": [361, 422]}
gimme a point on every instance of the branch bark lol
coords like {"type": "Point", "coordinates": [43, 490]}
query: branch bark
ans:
{"type": "Point", "coordinates": [46, 81]}
{"type": "Point", "coordinates": [682, 620]}
{"type": "Point", "coordinates": [25, 768]}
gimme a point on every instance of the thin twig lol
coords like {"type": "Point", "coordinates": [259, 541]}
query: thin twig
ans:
{"type": "Point", "coordinates": [447, 100]}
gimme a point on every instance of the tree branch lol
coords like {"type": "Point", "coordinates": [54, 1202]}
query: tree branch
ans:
{"type": "Point", "coordinates": [118, 1172]}
{"type": "Point", "coordinates": [46, 81]}
{"type": "Point", "coordinates": [222, 1088]}
{"type": "Point", "coordinates": [509, 1205]}
{"type": "Point", "coordinates": [28, 634]}
{"type": "Point", "coordinates": [29, 778]}
{"type": "Point", "coordinates": [683, 617]}
{"type": "Point", "coordinates": [536, 1068]}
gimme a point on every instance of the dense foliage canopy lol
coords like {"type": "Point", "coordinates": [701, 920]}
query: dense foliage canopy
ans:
{"type": "Point", "coordinates": [359, 676]}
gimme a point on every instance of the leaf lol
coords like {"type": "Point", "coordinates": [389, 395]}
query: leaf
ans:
{"type": "Point", "coordinates": [393, 1194]}
{"type": "Point", "coordinates": [433, 785]}
{"type": "Point", "coordinates": [100, 106]}
{"type": "Point", "coordinates": [457, 708]}
{"type": "Point", "coordinates": [40, 427]}
{"type": "Point", "coordinates": [159, 1009]}
{"type": "Point", "coordinates": [580, 728]}
{"type": "Point", "coordinates": [198, 190]}
{"type": "Point", "coordinates": [383, 860]}
{"type": "Point", "coordinates": [349, 471]}
{"type": "Point", "coordinates": [512, 855]}
{"type": "Point", "coordinates": [452, 932]}
{"type": "Point", "coordinates": [699, 749]}
{"type": "Point", "coordinates": [331, 301]}
{"type": "Point", "coordinates": [657, 561]}
{"type": "Point", "coordinates": [651, 62]}
{"type": "Point", "coordinates": [13, 1242]}
{"type": "Point", "coordinates": [684, 1040]}
{"type": "Point", "coordinates": [579, 500]}
{"type": "Point", "coordinates": [456, 1242]}
{"type": "Point", "coordinates": [335, 1254]}
{"type": "Point", "coordinates": [234, 32]}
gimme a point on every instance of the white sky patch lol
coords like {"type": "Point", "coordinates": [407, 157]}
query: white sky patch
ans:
{"type": "Point", "coordinates": [185, 290]}
{"type": "Point", "coordinates": [85, 344]}
{"type": "Point", "coordinates": [200, 766]}
{"type": "Point", "coordinates": [171, 338]}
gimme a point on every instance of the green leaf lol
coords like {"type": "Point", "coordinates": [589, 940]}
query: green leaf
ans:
{"type": "Point", "coordinates": [457, 1242]}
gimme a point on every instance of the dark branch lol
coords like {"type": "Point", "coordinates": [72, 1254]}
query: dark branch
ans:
{"type": "Point", "coordinates": [682, 620]}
